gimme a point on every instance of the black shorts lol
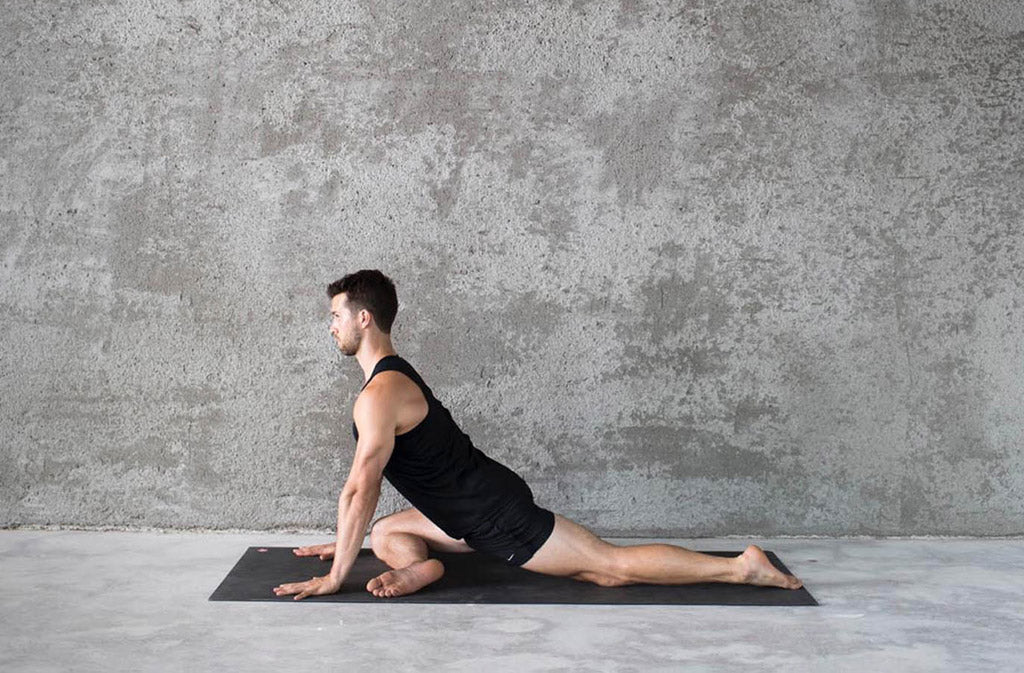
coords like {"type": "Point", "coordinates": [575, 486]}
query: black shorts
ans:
{"type": "Point", "coordinates": [514, 533]}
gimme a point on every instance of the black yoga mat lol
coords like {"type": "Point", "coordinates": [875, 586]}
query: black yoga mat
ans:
{"type": "Point", "coordinates": [473, 577]}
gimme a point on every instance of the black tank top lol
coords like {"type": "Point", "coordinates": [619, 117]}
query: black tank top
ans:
{"type": "Point", "coordinates": [437, 468]}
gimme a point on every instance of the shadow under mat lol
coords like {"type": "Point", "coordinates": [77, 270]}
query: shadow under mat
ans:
{"type": "Point", "coordinates": [474, 577]}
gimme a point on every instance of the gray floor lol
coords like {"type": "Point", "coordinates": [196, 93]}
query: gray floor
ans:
{"type": "Point", "coordinates": [137, 601]}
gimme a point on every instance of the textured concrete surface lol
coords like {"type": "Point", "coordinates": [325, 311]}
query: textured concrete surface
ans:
{"type": "Point", "coordinates": [693, 269]}
{"type": "Point", "coordinates": [117, 601]}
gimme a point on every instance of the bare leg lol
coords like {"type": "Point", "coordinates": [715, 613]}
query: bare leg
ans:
{"type": "Point", "coordinates": [574, 551]}
{"type": "Point", "coordinates": [402, 540]}
{"type": "Point", "coordinates": [407, 554]}
{"type": "Point", "coordinates": [669, 564]}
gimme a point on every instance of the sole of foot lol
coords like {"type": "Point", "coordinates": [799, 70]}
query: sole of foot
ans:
{"type": "Point", "coordinates": [403, 581]}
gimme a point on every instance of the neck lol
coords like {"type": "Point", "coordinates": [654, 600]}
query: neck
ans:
{"type": "Point", "coordinates": [370, 354]}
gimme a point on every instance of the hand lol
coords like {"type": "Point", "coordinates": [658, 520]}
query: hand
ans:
{"type": "Point", "coordinates": [326, 551]}
{"type": "Point", "coordinates": [318, 586]}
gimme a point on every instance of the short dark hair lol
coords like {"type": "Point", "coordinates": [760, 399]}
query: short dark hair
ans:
{"type": "Point", "coordinates": [372, 290]}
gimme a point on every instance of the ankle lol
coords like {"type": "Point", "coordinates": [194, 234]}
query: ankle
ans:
{"type": "Point", "coordinates": [430, 563]}
{"type": "Point", "coordinates": [741, 572]}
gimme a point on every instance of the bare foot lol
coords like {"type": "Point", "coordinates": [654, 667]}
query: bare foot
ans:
{"type": "Point", "coordinates": [406, 580]}
{"type": "Point", "coordinates": [755, 568]}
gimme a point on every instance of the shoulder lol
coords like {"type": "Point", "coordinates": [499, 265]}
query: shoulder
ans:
{"type": "Point", "coordinates": [387, 386]}
{"type": "Point", "coordinates": [373, 414]}
{"type": "Point", "coordinates": [381, 395]}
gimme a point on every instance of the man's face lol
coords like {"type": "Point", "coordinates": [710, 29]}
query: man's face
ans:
{"type": "Point", "coordinates": [343, 326]}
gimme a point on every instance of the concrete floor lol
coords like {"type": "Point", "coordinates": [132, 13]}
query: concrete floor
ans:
{"type": "Point", "coordinates": [137, 601]}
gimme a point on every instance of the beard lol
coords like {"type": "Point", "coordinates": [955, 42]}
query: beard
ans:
{"type": "Point", "coordinates": [349, 346]}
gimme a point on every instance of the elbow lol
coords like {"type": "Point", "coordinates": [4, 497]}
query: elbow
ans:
{"type": "Point", "coordinates": [362, 489]}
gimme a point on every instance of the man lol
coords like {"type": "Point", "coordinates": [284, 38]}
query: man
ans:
{"type": "Point", "coordinates": [462, 499]}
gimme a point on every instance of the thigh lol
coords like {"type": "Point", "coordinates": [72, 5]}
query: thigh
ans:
{"type": "Point", "coordinates": [573, 551]}
{"type": "Point", "coordinates": [514, 533]}
{"type": "Point", "coordinates": [414, 521]}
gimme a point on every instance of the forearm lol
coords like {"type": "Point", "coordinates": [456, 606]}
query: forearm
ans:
{"type": "Point", "coordinates": [355, 511]}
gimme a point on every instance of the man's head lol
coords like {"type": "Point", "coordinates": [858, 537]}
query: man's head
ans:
{"type": "Point", "coordinates": [361, 302]}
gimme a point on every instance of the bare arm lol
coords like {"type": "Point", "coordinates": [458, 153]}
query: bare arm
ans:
{"type": "Point", "coordinates": [375, 417]}
{"type": "Point", "coordinates": [375, 420]}
{"type": "Point", "coordinates": [355, 511]}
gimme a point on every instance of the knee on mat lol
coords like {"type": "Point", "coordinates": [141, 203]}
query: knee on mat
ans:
{"type": "Point", "coordinates": [602, 579]}
{"type": "Point", "coordinates": [610, 573]}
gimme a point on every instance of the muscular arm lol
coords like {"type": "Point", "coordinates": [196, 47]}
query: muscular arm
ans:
{"type": "Point", "coordinates": [375, 419]}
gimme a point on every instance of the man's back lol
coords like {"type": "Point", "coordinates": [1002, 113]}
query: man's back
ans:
{"type": "Point", "coordinates": [434, 463]}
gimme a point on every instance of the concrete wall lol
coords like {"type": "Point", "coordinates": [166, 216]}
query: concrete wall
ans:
{"type": "Point", "coordinates": [700, 268]}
